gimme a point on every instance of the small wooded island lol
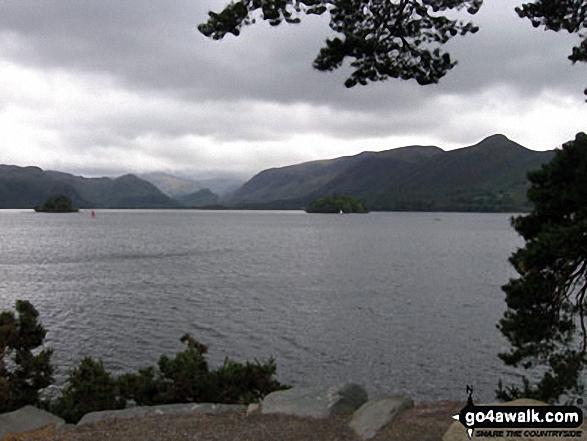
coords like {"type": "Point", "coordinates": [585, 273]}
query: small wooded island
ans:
{"type": "Point", "coordinates": [337, 204]}
{"type": "Point", "coordinates": [57, 204]}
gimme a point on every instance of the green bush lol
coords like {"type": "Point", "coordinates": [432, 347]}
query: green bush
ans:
{"type": "Point", "coordinates": [236, 383]}
{"type": "Point", "coordinates": [89, 389]}
{"type": "Point", "coordinates": [337, 204]}
{"type": "Point", "coordinates": [146, 387]}
{"type": "Point", "coordinates": [22, 374]}
{"type": "Point", "coordinates": [57, 204]}
{"type": "Point", "coordinates": [187, 378]}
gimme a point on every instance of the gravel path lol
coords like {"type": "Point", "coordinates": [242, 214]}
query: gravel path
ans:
{"type": "Point", "coordinates": [426, 422]}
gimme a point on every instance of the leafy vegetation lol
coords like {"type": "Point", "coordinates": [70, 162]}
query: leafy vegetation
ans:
{"type": "Point", "coordinates": [392, 39]}
{"type": "Point", "coordinates": [385, 39]}
{"type": "Point", "coordinates": [22, 373]}
{"type": "Point", "coordinates": [337, 204]}
{"type": "Point", "coordinates": [545, 319]}
{"type": "Point", "coordinates": [57, 204]}
{"type": "Point", "coordinates": [184, 378]}
{"type": "Point", "coordinates": [187, 378]}
{"type": "Point", "coordinates": [89, 387]}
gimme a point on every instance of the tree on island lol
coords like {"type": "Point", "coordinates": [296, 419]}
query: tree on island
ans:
{"type": "Point", "coordinates": [545, 320]}
{"type": "Point", "coordinates": [392, 38]}
{"type": "Point", "coordinates": [337, 204]}
{"type": "Point", "coordinates": [57, 204]}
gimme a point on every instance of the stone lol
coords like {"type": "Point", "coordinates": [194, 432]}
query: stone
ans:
{"type": "Point", "coordinates": [315, 402]}
{"type": "Point", "coordinates": [25, 419]}
{"type": "Point", "coordinates": [253, 408]}
{"type": "Point", "coordinates": [457, 432]}
{"type": "Point", "coordinates": [212, 408]}
{"type": "Point", "coordinates": [377, 413]}
{"type": "Point", "coordinates": [165, 409]}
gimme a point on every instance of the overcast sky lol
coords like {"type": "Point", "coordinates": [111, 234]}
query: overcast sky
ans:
{"type": "Point", "coordinates": [106, 87]}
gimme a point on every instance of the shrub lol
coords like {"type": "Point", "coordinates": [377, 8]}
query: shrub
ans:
{"type": "Point", "coordinates": [187, 378]}
{"type": "Point", "coordinates": [57, 204]}
{"type": "Point", "coordinates": [22, 374]}
{"type": "Point", "coordinates": [89, 389]}
{"type": "Point", "coordinates": [337, 204]}
{"type": "Point", "coordinates": [236, 383]}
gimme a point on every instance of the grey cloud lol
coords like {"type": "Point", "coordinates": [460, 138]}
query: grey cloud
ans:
{"type": "Point", "coordinates": [155, 45]}
{"type": "Point", "coordinates": [153, 76]}
{"type": "Point", "coordinates": [509, 51]}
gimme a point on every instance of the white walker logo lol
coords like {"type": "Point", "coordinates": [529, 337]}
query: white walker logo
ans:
{"type": "Point", "coordinates": [554, 421]}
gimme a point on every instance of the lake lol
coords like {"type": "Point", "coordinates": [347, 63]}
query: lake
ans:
{"type": "Point", "coordinates": [399, 302]}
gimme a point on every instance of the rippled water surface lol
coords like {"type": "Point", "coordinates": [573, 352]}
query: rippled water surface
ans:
{"type": "Point", "coordinates": [400, 302]}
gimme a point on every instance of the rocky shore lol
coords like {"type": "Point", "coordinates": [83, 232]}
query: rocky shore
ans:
{"type": "Point", "coordinates": [339, 412]}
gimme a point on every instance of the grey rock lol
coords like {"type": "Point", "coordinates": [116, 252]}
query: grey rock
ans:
{"type": "Point", "coordinates": [25, 419]}
{"type": "Point", "coordinates": [377, 413]}
{"type": "Point", "coordinates": [92, 417]}
{"type": "Point", "coordinates": [253, 408]}
{"type": "Point", "coordinates": [315, 402]}
{"type": "Point", "coordinates": [166, 409]}
{"type": "Point", "coordinates": [210, 408]}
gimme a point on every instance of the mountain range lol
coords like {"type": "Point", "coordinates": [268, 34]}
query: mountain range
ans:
{"type": "Point", "coordinates": [177, 187]}
{"type": "Point", "coordinates": [26, 187]}
{"type": "Point", "coordinates": [488, 176]}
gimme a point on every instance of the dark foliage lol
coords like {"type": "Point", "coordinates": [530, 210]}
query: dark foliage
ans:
{"type": "Point", "coordinates": [337, 204]}
{"type": "Point", "coordinates": [22, 374]}
{"type": "Point", "coordinates": [545, 320]}
{"type": "Point", "coordinates": [57, 204]}
{"type": "Point", "coordinates": [392, 39]}
{"type": "Point", "coordinates": [90, 388]}
{"type": "Point", "coordinates": [184, 378]}
{"type": "Point", "coordinates": [238, 383]}
{"type": "Point", "coordinates": [557, 15]}
{"type": "Point", "coordinates": [385, 39]}
{"type": "Point", "coordinates": [187, 378]}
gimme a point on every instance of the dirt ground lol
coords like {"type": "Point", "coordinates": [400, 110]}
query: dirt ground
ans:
{"type": "Point", "coordinates": [426, 422]}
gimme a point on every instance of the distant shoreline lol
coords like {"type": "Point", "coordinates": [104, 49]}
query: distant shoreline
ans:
{"type": "Point", "coordinates": [242, 209]}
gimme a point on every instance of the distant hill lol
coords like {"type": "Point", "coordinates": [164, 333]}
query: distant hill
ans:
{"type": "Point", "coordinates": [202, 198]}
{"type": "Point", "coordinates": [171, 185]}
{"type": "Point", "coordinates": [27, 187]}
{"type": "Point", "coordinates": [221, 186]}
{"type": "Point", "coordinates": [176, 187]}
{"type": "Point", "coordinates": [488, 176]}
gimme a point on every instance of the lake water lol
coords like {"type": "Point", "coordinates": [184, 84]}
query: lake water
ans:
{"type": "Point", "coordinates": [399, 302]}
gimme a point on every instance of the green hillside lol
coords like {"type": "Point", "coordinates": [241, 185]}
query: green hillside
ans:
{"type": "Point", "coordinates": [172, 186]}
{"type": "Point", "coordinates": [27, 187]}
{"type": "Point", "coordinates": [201, 198]}
{"type": "Point", "coordinates": [488, 176]}
{"type": "Point", "coordinates": [291, 182]}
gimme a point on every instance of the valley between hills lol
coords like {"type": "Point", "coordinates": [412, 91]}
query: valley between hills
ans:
{"type": "Point", "coordinates": [486, 177]}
